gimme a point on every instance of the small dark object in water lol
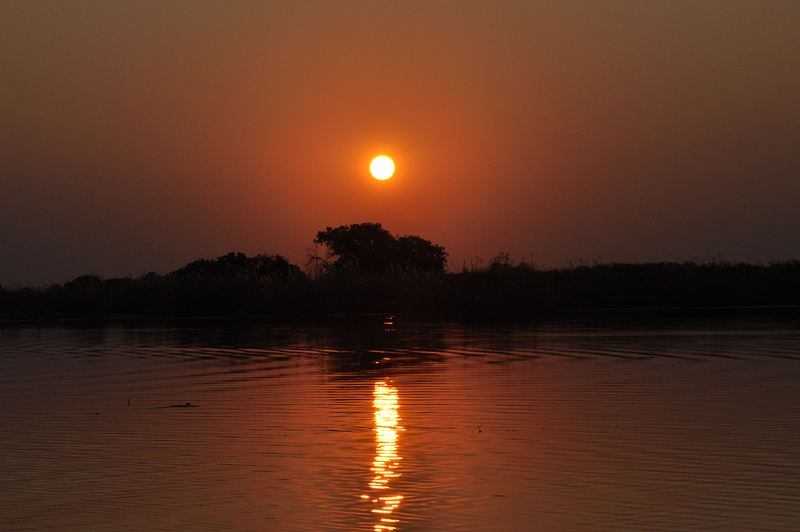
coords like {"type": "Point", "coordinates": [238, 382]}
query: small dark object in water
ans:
{"type": "Point", "coordinates": [185, 405]}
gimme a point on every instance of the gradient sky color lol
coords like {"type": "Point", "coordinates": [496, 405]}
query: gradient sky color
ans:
{"type": "Point", "coordinates": [142, 135]}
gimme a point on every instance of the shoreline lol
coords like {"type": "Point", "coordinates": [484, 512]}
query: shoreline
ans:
{"type": "Point", "coordinates": [511, 290]}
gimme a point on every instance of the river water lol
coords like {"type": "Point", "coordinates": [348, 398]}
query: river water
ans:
{"type": "Point", "coordinates": [381, 423]}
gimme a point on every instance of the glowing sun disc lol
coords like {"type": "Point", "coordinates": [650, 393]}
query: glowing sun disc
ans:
{"type": "Point", "coordinates": [382, 167]}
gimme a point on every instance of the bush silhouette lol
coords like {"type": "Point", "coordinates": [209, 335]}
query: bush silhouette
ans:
{"type": "Point", "coordinates": [259, 268]}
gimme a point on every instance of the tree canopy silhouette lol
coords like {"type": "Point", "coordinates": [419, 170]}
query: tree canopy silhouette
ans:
{"type": "Point", "coordinates": [260, 267]}
{"type": "Point", "coordinates": [369, 248]}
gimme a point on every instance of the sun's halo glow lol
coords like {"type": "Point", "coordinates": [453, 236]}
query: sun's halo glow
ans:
{"type": "Point", "coordinates": [381, 167]}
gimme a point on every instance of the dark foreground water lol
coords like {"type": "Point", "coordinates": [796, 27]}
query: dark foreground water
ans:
{"type": "Point", "coordinates": [574, 425]}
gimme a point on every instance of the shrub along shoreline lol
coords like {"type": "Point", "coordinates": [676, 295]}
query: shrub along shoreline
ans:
{"type": "Point", "coordinates": [269, 286]}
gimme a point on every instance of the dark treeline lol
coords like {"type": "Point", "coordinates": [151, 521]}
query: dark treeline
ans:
{"type": "Point", "coordinates": [366, 269]}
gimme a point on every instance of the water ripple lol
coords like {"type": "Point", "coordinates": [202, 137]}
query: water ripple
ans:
{"type": "Point", "coordinates": [504, 427]}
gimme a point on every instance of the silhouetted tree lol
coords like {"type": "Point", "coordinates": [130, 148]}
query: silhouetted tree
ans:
{"type": "Point", "coordinates": [417, 255]}
{"type": "Point", "coordinates": [369, 248]}
{"type": "Point", "coordinates": [239, 265]}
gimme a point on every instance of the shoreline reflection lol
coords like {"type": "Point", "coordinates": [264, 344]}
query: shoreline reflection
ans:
{"type": "Point", "coordinates": [386, 465]}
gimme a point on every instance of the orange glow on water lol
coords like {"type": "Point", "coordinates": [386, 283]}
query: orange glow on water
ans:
{"type": "Point", "coordinates": [386, 465]}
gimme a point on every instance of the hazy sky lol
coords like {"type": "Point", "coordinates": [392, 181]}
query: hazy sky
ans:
{"type": "Point", "coordinates": [142, 135]}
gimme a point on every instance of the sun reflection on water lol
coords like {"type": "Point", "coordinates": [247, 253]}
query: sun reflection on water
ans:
{"type": "Point", "coordinates": [386, 465]}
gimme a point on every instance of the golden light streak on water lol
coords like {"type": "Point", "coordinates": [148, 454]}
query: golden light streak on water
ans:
{"type": "Point", "coordinates": [387, 459]}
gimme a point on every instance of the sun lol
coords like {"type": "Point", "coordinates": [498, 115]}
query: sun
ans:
{"type": "Point", "coordinates": [382, 167]}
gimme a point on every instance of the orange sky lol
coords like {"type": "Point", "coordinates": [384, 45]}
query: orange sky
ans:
{"type": "Point", "coordinates": [140, 136]}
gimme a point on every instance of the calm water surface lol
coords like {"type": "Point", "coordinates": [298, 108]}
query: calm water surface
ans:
{"type": "Point", "coordinates": [573, 425]}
